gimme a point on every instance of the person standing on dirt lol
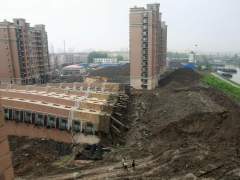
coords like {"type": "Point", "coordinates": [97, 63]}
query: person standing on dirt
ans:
{"type": "Point", "coordinates": [1, 175]}
{"type": "Point", "coordinates": [123, 160]}
{"type": "Point", "coordinates": [133, 164]}
{"type": "Point", "coordinates": [124, 163]}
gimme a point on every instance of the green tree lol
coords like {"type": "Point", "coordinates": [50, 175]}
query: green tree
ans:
{"type": "Point", "coordinates": [96, 54]}
{"type": "Point", "coordinates": [119, 58]}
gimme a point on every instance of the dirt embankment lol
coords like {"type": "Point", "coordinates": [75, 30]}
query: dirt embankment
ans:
{"type": "Point", "coordinates": [119, 74]}
{"type": "Point", "coordinates": [34, 157]}
{"type": "Point", "coordinates": [182, 130]}
{"type": "Point", "coordinates": [185, 128]}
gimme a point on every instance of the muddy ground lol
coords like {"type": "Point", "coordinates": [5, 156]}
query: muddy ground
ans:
{"type": "Point", "coordinates": [182, 130]}
{"type": "Point", "coordinates": [35, 157]}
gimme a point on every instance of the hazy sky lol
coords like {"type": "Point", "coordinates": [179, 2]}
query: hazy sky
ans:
{"type": "Point", "coordinates": [103, 24]}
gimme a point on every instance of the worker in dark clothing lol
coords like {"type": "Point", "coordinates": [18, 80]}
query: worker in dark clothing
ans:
{"type": "Point", "coordinates": [1, 175]}
{"type": "Point", "coordinates": [133, 164]}
{"type": "Point", "coordinates": [124, 163]}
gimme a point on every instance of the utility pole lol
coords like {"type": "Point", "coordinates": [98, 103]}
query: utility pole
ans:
{"type": "Point", "coordinates": [64, 47]}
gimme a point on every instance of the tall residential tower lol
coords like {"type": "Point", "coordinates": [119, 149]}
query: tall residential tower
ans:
{"type": "Point", "coordinates": [148, 46]}
{"type": "Point", "coordinates": [23, 52]}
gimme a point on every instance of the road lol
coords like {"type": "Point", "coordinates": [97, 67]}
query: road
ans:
{"type": "Point", "coordinates": [227, 81]}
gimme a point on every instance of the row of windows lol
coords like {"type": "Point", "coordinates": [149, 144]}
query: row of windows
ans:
{"type": "Point", "coordinates": [48, 121]}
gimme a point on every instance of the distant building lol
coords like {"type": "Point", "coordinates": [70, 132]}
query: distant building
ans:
{"type": "Point", "coordinates": [124, 54]}
{"type": "Point", "coordinates": [59, 59]}
{"type": "Point", "coordinates": [148, 46]}
{"type": "Point", "coordinates": [23, 52]}
{"type": "Point", "coordinates": [192, 57]}
{"type": "Point", "coordinates": [105, 60]}
{"type": "Point", "coordinates": [74, 69]}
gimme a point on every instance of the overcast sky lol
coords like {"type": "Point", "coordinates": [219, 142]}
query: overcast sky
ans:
{"type": "Point", "coordinates": [103, 24]}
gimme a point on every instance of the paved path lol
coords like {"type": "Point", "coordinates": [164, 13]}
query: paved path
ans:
{"type": "Point", "coordinates": [227, 81]}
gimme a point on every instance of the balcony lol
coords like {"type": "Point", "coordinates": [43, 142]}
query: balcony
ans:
{"type": "Point", "coordinates": [145, 21]}
{"type": "Point", "coordinates": [145, 34]}
{"type": "Point", "coordinates": [144, 70]}
{"type": "Point", "coordinates": [144, 45]}
{"type": "Point", "coordinates": [144, 76]}
{"type": "Point", "coordinates": [144, 81]}
{"type": "Point", "coordinates": [144, 39]}
{"type": "Point", "coordinates": [144, 64]}
{"type": "Point", "coordinates": [144, 86]}
{"type": "Point", "coordinates": [145, 53]}
{"type": "Point", "coordinates": [145, 15]}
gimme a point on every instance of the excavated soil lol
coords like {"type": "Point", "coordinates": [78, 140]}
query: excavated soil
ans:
{"type": "Point", "coordinates": [182, 130]}
{"type": "Point", "coordinates": [119, 74]}
{"type": "Point", "coordinates": [34, 157]}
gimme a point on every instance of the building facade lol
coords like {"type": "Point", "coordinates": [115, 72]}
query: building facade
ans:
{"type": "Point", "coordinates": [105, 60]}
{"type": "Point", "coordinates": [23, 52]}
{"type": "Point", "coordinates": [82, 108]}
{"type": "Point", "coordinates": [6, 170]}
{"type": "Point", "coordinates": [147, 49]}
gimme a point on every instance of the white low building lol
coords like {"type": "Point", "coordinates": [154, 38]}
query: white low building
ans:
{"type": "Point", "coordinates": [105, 60]}
{"type": "Point", "coordinates": [74, 69]}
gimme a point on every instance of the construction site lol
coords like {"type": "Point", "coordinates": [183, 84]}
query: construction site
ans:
{"type": "Point", "coordinates": [184, 129]}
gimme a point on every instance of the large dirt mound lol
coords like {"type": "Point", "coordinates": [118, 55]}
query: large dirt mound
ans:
{"type": "Point", "coordinates": [119, 74]}
{"type": "Point", "coordinates": [186, 128]}
{"type": "Point", "coordinates": [183, 77]}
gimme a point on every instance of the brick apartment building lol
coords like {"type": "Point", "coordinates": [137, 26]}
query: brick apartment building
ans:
{"type": "Point", "coordinates": [148, 46]}
{"type": "Point", "coordinates": [23, 52]}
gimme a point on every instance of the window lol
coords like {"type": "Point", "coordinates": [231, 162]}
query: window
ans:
{"type": "Point", "coordinates": [76, 126]}
{"type": "Point", "coordinates": [6, 114]}
{"type": "Point", "coordinates": [51, 122]}
{"type": "Point", "coordinates": [28, 117]}
{"type": "Point", "coordinates": [63, 124]}
{"type": "Point", "coordinates": [16, 115]}
{"type": "Point", "coordinates": [89, 128]}
{"type": "Point", "coordinates": [39, 120]}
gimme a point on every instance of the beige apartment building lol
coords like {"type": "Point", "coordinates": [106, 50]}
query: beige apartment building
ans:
{"type": "Point", "coordinates": [23, 53]}
{"type": "Point", "coordinates": [148, 46]}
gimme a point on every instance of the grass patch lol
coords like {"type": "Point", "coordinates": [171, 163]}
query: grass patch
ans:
{"type": "Point", "coordinates": [223, 86]}
{"type": "Point", "coordinates": [63, 161]}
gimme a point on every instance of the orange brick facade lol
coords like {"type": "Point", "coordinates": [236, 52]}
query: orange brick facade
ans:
{"type": "Point", "coordinates": [148, 46]}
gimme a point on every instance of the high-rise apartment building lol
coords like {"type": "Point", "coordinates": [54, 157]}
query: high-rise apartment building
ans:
{"type": "Point", "coordinates": [148, 46]}
{"type": "Point", "coordinates": [163, 47]}
{"type": "Point", "coordinates": [23, 52]}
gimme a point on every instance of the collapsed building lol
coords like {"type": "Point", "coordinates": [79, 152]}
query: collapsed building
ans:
{"type": "Point", "coordinates": [6, 170]}
{"type": "Point", "coordinates": [65, 112]}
